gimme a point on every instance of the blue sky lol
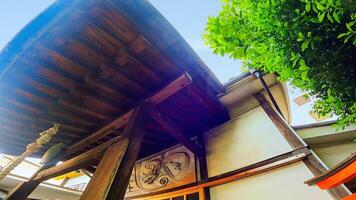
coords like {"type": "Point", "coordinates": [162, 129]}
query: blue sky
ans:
{"type": "Point", "coordinates": [15, 14]}
{"type": "Point", "coordinates": [187, 16]}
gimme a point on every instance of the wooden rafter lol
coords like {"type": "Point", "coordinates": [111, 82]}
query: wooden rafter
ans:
{"type": "Point", "coordinates": [173, 87]}
{"type": "Point", "coordinates": [172, 129]}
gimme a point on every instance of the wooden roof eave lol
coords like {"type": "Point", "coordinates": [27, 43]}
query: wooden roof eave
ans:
{"type": "Point", "coordinates": [333, 171]}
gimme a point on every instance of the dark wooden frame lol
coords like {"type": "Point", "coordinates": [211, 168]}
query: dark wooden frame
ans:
{"type": "Point", "coordinates": [314, 164]}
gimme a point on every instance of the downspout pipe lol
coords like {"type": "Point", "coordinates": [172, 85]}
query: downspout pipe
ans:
{"type": "Point", "coordinates": [258, 74]}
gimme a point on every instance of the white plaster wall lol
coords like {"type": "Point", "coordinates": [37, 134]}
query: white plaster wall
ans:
{"type": "Point", "coordinates": [247, 139]}
{"type": "Point", "coordinates": [286, 183]}
{"type": "Point", "coordinates": [333, 154]}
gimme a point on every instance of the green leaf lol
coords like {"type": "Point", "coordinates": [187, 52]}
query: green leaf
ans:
{"type": "Point", "coordinates": [309, 35]}
{"type": "Point", "coordinates": [300, 34]}
{"type": "Point", "coordinates": [336, 17]}
{"type": "Point", "coordinates": [321, 16]}
{"type": "Point", "coordinates": [341, 35]}
{"type": "Point", "coordinates": [320, 7]}
{"type": "Point", "coordinates": [305, 45]}
{"type": "Point", "coordinates": [307, 7]}
{"type": "Point", "coordinates": [304, 68]}
{"type": "Point", "coordinates": [349, 26]}
{"type": "Point", "coordinates": [329, 17]}
{"type": "Point", "coordinates": [347, 39]}
{"type": "Point", "coordinates": [302, 62]}
{"type": "Point", "coordinates": [304, 75]}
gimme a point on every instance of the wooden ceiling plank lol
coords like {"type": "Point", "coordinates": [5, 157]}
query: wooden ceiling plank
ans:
{"type": "Point", "coordinates": [23, 138]}
{"type": "Point", "coordinates": [176, 85]}
{"type": "Point", "coordinates": [39, 115]}
{"type": "Point", "coordinates": [77, 107]}
{"type": "Point", "coordinates": [63, 62]}
{"type": "Point", "coordinates": [103, 41]}
{"type": "Point", "coordinates": [52, 92]}
{"type": "Point", "coordinates": [77, 50]}
{"type": "Point", "coordinates": [30, 122]}
{"type": "Point", "coordinates": [13, 101]}
{"type": "Point", "coordinates": [126, 84]}
{"type": "Point", "coordinates": [124, 62]}
{"type": "Point", "coordinates": [102, 85]}
{"type": "Point", "coordinates": [113, 22]}
{"type": "Point", "coordinates": [158, 60]}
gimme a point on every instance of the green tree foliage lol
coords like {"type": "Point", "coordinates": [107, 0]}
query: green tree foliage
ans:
{"type": "Point", "coordinates": [311, 43]}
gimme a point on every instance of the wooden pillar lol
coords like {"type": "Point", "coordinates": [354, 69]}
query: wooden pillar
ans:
{"type": "Point", "coordinates": [203, 167]}
{"type": "Point", "coordinates": [134, 132]}
{"type": "Point", "coordinates": [296, 142]}
{"type": "Point", "coordinates": [100, 183]}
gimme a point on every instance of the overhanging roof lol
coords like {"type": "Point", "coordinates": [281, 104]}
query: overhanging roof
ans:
{"type": "Point", "coordinates": [84, 63]}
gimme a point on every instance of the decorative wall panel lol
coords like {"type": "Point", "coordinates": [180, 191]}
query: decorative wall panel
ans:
{"type": "Point", "coordinates": [165, 170]}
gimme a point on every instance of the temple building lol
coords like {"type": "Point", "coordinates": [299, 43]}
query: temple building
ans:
{"type": "Point", "coordinates": [127, 110]}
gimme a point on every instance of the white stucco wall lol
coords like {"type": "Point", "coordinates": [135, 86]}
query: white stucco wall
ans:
{"type": "Point", "coordinates": [280, 184]}
{"type": "Point", "coordinates": [247, 139]}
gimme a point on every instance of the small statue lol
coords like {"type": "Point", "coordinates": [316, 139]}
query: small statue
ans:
{"type": "Point", "coordinates": [33, 147]}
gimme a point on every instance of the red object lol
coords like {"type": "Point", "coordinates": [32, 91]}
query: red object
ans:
{"type": "Point", "coordinates": [343, 176]}
{"type": "Point", "coordinates": [342, 173]}
{"type": "Point", "coordinates": [351, 197]}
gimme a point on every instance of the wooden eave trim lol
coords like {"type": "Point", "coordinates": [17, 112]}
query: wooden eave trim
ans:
{"type": "Point", "coordinates": [339, 167]}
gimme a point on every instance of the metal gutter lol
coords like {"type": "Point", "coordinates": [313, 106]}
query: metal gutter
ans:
{"type": "Point", "coordinates": [259, 75]}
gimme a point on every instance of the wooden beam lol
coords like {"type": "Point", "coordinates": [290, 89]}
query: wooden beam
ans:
{"type": "Point", "coordinates": [339, 174]}
{"type": "Point", "coordinates": [24, 189]}
{"type": "Point", "coordinates": [75, 163]}
{"type": "Point", "coordinates": [203, 167]}
{"type": "Point", "coordinates": [134, 131]}
{"type": "Point", "coordinates": [172, 129]}
{"type": "Point", "coordinates": [248, 171]}
{"type": "Point", "coordinates": [312, 162]}
{"type": "Point", "coordinates": [284, 128]}
{"type": "Point", "coordinates": [318, 168]}
{"type": "Point", "coordinates": [175, 86]}
{"type": "Point", "coordinates": [100, 183]}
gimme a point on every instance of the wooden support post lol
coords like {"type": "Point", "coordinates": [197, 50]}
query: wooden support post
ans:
{"type": "Point", "coordinates": [100, 183]}
{"type": "Point", "coordinates": [296, 142]}
{"type": "Point", "coordinates": [203, 167]}
{"type": "Point", "coordinates": [134, 132]}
